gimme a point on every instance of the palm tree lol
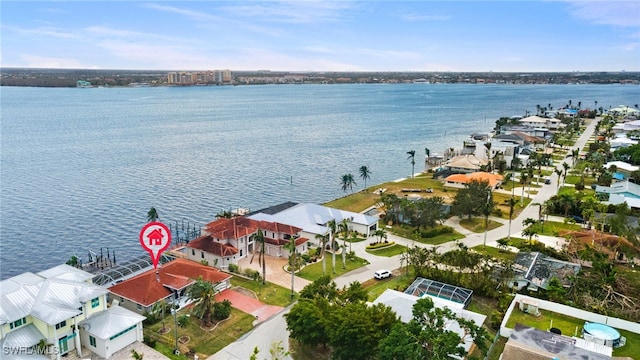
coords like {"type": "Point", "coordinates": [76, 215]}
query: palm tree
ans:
{"type": "Point", "coordinates": [258, 237]}
{"type": "Point", "coordinates": [559, 173]}
{"type": "Point", "coordinates": [503, 244]}
{"type": "Point", "coordinates": [487, 148]}
{"type": "Point", "coordinates": [347, 182]}
{"type": "Point", "coordinates": [160, 307]}
{"type": "Point", "coordinates": [291, 246]}
{"type": "Point", "coordinates": [152, 215]}
{"type": "Point", "coordinates": [565, 166]}
{"type": "Point", "coordinates": [203, 294]}
{"type": "Point", "coordinates": [323, 241]}
{"type": "Point", "coordinates": [344, 229]}
{"type": "Point", "coordinates": [365, 174]}
{"type": "Point", "coordinates": [332, 231]}
{"type": "Point", "coordinates": [574, 155]}
{"type": "Point", "coordinates": [412, 156]}
{"type": "Point", "coordinates": [380, 234]}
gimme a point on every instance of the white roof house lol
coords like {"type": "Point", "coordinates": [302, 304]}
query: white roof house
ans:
{"type": "Point", "coordinates": [622, 166]}
{"type": "Point", "coordinates": [313, 219]}
{"type": "Point", "coordinates": [402, 304]}
{"type": "Point", "coordinates": [621, 192]}
{"type": "Point", "coordinates": [111, 327]}
{"type": "Point", "coordinates": [49, 306]}
{"type": "Point", "coordinates": [537, 121]}
{"type": "Point", "coordinates": [621, 141]}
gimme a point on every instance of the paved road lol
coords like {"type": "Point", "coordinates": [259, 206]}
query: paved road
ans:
{"type": "Point", "coordinates": [275, 329]}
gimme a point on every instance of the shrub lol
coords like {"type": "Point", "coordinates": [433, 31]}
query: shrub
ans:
{"type": "Point", "coordinates": [306, 258]}
{"type": "Point", "coordinates": [497, 212]}
{"type": "Point", "coordinates": [436, 231]}
{"type": "Point", "coordinates": [222, 310]}
{"type": "Point", "coordinates": [579, 186]}
{"type": "Point", "coordinates": [183, 320]}
{"type": "Point", "coordinates": [254, 274]}
{"type": "Point", "coordinates": [151, 342]}
{"type": "Point", "coordinates": [234, 268]}
{"type": "Point", "coordinates": [380, 245]}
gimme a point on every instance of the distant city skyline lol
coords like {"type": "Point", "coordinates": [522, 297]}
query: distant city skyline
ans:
{"type": "Point", "coordinates": [457, 36]}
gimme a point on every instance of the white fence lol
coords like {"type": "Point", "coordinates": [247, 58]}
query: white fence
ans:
{"type": "Point", "coordinates": [569, 311]}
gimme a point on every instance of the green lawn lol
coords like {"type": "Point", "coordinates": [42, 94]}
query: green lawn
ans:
{"type": "Point", "coordinates": [314, 271]}
{"type": "Point", "coordinates": [399, 281]}
{"type": "Point", "coordinates": [494, 252]}
{"type": "Point", "coordinates": [477, 224]}
{"type": "Point", "coordinates": [553, 228]}
{"type": "Point", "coordinates": [203, 342]}
{"type": "Point", "coordinates": [388, 251]}
{"type": "Point", "coordinates": [408, 232]}
{"type": "Point", "coordinates": [568, 326]}
{"type": "Point", "coordinates": [270, 293]}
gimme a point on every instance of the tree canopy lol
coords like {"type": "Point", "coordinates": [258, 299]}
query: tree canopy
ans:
{"type": "Point", "coordinates": [425, 336]}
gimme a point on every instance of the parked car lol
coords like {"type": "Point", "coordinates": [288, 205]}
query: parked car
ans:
{"type": "Point", "coordinates": [577, 219]}
{"type": "Point", "coordinates": [547, 181]}
{"type": "Point", "coordinates": [382, 274]}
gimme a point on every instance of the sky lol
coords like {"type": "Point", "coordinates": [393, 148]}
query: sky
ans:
{"type": "Point", "coordinates": [422, 36]}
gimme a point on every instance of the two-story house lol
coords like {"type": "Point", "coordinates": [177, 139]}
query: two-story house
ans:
{"type": "Point", "coordinates": [228, 240]}
{"type": "Point", "coordinates": [63, 310]}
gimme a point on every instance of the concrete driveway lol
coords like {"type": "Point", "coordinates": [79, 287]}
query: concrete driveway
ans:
{"type": "Point", "coordinates": [274, 272]}
{"type": "Point", "coordinates": [247, 302]}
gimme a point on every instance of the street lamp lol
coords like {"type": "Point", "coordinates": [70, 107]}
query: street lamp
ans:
{"type": "Point", "coordinates": [175, 326]}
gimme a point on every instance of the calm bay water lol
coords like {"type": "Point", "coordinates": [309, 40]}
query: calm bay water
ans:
{"type": "Point", "coordinates": [81, 167]}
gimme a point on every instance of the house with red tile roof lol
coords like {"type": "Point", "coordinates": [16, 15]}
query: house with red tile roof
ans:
{"type": "Point", "coordinates": [228, 240]}
{"type": "Point", "coordinates": [461, 180]}
{"type": "Point", "coordinates": [170, 282]}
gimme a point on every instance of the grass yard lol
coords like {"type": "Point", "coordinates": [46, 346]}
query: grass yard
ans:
{"type": "Point", "coordinates": [398, 281]}
{"type": "Point", "coordinates": [477, 224]}
{"type": "Point", "coordinates": [203, 342]}
{"type": "Point", "coordinates": [409, 232]}
{"type": "Point", "coordinates": [553, 228]}
{"type": "Point", "coordinates": [502, 203]}
{"type": "Point", "coordinates": [356, 202]}
{"type": "Point", "coordinates": [270, 293]}
{"type": "Point", "coordinates": [495, 252]}
{"type": "Point", "coordinates": [568, 326]}
{"type": "Point", "coordinates": [388, 251]}
{"type": "Point", "coordinates": [314, 271]}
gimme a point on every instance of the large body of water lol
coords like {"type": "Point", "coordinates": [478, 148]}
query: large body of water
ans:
{"type": "Point", "coordinates": [80, 168]}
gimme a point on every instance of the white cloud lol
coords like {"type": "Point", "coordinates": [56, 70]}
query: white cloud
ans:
{"type": "Point", "coordinates": [46, 31]}
{"type": "Point", "coordinates": [292, 11]}
{"type": "Point", "coordinates": [616, 13]}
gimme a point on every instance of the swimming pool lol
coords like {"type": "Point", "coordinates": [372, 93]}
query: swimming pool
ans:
{"type": "Point", "coordinates": [601, 334]}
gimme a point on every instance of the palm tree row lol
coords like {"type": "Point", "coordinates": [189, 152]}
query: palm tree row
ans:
{"type": "Point", "coordinates": [348, 180]}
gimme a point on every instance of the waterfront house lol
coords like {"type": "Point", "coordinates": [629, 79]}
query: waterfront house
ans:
{"type": "Point", "coordinates": [170, 282]}
{"type": "Point", "coordinates": [314, 219]}
{"type": "Point", "coordinates": [465, 164]}
{"type": "Point", "coordinates": [61, 307]}
{"type": "Point", "coordinates": [540, 122]}
{"type": "Point", "coordinates": [462, 180]}
{"type": "Point", "coordinates": [226, 241]}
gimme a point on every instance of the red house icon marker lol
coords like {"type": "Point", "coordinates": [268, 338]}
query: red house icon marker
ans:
{"type": "Point", "coordinates": [156, 237]}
